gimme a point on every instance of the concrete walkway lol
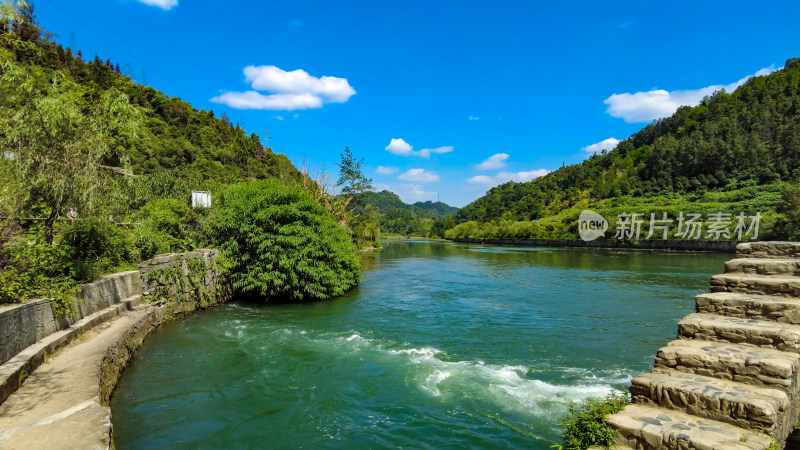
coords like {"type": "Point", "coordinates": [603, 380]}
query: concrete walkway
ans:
{"type": "Point", "coordinates": [58, 406]}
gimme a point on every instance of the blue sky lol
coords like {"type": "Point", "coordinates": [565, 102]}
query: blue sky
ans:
{"type": "Point", "coordinates": [443, 99]}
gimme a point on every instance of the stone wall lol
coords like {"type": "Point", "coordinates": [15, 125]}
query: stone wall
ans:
{"type": "Point", "coordinates": [178, 285]}
{"type": "Point", "coordinates": [25, 324]}
{"type": "Point", "coordinates": [190, 276]}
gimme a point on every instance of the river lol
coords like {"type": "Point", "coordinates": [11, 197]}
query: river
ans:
{"type": "Point", "coordinates": [442, 345]}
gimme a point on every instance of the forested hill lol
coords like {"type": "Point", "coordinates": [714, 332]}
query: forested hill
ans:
{"type": "Point", "coordinates": [386, 201]}
{"type": "Point", "coordinates": [397, 217]}
{"type": "Point", "coordinates": [169, 135]}
{"type": "Point", "coordinates": [96, 174]}
{"type": "Point", "coordinates": [731, 141]}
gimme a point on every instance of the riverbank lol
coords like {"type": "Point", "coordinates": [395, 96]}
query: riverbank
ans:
{"type": "Point", "coordinates": [707, 246]}
{"type": "Point", "coordinates": [58, 389]}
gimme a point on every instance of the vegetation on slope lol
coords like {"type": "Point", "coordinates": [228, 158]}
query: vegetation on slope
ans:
{"type": "Point", "coordinates": [418, 219]}
{"type": "Point", "coordinates": [735, 152]}
{"type": "Point", "coordinates": [108, 166]}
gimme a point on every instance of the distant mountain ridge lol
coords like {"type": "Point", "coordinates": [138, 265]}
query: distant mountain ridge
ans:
{"type": "Point", "coordinates": [386, 200]}
{"type": "Point", "coordinates": [732, 152]}
{"type": "Point", "coordinates": [397, 217]}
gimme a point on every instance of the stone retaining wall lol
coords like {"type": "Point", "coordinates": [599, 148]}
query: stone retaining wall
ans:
{"type": "Point", "coordinates": [25, 324]}
{"type": "Point", "coordinates": [177, 293]}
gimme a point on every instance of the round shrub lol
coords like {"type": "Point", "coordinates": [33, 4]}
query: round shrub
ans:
{"type": "Point", "coordinates": [277, 242]}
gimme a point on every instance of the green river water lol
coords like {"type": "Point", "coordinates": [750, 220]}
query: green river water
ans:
{"type": "Point", "coordinates": [442, 346]}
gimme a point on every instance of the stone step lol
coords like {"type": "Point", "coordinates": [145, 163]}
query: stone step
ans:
{"type": "Point", "coordinates": [764, 266]}
{"type": "Point", "coordinates": [773, 249]}
{"type": "Point", "coordinates": [742, 405]}
{"type": "Point", "coordinates": [647, 427]}
{"type": "Point", "coordinates": [752, 306]}
{"type": "Point", "coordinates": [783, 286]}
{"type": "Point", "coordinates": [737, 330]}
{"type": "Point", "coordinates": [133, 301]}
{"type": "Point", "coordinates": [741, 363]}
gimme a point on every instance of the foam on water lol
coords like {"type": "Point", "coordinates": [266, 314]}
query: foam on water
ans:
{"type": "Point", "coordinates": [508, 386]}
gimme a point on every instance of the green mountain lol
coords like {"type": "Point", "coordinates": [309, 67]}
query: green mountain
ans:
{"type": "Point", "coordinates": [385, 201]}
{"type": "Point", "coordinates": [398, 217]}
{"type": "Point", "coordinates": [169, 134]}
{"type": "Point", "coordinates": [735, 152]}
{"type": "Point", "coordinates": [96, 172]}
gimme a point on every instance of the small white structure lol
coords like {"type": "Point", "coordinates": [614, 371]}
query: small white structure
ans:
{"type": "Point", "coordinates": [201, 199]}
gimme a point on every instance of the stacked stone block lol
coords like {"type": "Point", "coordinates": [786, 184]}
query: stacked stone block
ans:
{"type": "Point", "coordinates": [732, 378]}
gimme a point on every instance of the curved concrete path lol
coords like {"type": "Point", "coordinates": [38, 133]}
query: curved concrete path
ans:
{"type": "Point", "coordinates": [60, 398]}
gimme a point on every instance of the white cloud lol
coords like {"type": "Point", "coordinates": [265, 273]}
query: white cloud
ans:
{"type": "Point", "coordinates": [474, 118]}
{"type": "Point", "coordinates": [481, 179]}
{"type": "Point", "coordinates": [289, 91]}
{"type": "Point", "coordinates": [163, 4]}
{"type": "Point", "coordinates": [399, 147]}
{"type": "Point", "coordinates": [658, 103]}
{"type": "Point", "coordinates": [416, 192]}
{"type": "Point", "coordinates": [504, 176]}
{"type": "Point", "coordinates": [277, 117]}
{"type": "Point", "coordinates": [403, 148]}
{"type": "Point", "coordinates": [274, 102]}
{"type": "Point", "coordinates": [605, 144]}
{"type": "Point", "coordinates": [419, 175]}
{"type": "Point", "coordinates": [496, 161]}
{"type": "Point", "coordinates": [386, 170]}
{"type": "Point", "coordinates": [523, 176]}
{"type": "Point", "coordinates": [274, 79]}
{"type": "Point", "coordinates": [426, 152]}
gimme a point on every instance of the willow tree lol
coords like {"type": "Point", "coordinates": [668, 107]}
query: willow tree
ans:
{"type": "Point", "coordinates": [56, 134]}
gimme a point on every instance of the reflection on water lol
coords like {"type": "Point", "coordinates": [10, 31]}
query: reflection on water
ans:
{"type": "Point", "coordinates": [442, 344]}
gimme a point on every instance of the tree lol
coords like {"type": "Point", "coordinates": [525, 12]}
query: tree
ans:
{"type": "Point", "coordinates": [57, 134]}
{"type": "Point", "coordinates": [279, 242]}
{"type": "Point", "coordinates": [351, 178]}
{"type": "Point", "coordinates": [788, 224]}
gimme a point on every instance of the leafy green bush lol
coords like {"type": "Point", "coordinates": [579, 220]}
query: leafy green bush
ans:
{"type": "Point", "coordinates": [31, 268]}
{"type": "Point", "coordinates": [173, 226]}
{"type": "Point", "coordinates": [94, 246]}
{"type": "Point", "coordinates": [149, 243]}
{"type": "Point", "coordinates": [278, 242]}
{"type": "Point", "coordinates": [585, 425]}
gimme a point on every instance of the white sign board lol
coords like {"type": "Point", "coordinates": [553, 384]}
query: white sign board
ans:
{"type": "Point", "coordinates": [201, 199]}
